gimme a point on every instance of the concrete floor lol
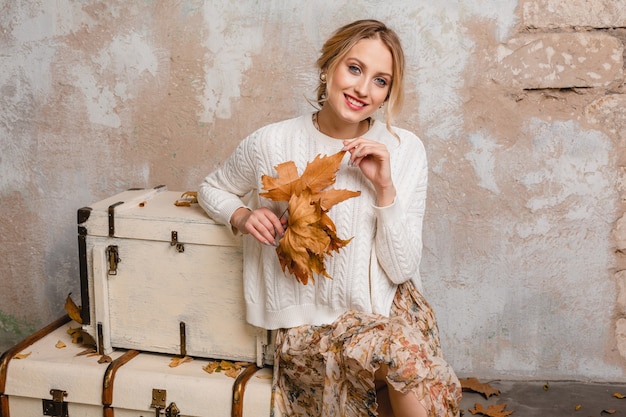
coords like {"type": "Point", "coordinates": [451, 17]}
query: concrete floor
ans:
{"type": "Point", "coordinates": [530, 399]}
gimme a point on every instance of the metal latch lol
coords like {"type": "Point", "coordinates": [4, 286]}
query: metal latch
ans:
{"type": "Point", "coordinates": [56, 407]}
{"type": "Point", "coordinates": [159, 399]}
{"type": "Point", "coordinates": [180, 247]}
{"type": "Point", "coordinates": [172, 411]}
{"type": "Point", "coordinates": [113, 256]}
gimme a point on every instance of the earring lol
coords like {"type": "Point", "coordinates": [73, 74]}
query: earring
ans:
{"type": "Point", "coordinates": [323, 78]}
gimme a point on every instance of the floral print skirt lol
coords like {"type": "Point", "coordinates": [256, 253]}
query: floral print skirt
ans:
{"type": "Point", "coordinates": [328, 371]}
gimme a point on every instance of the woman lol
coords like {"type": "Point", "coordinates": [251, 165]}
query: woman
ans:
{"type": "Point", "coordinates": [365, 341]}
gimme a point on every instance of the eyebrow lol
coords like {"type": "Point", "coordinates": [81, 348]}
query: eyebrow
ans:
{"type": "Point", "coordinates": [361, 63]}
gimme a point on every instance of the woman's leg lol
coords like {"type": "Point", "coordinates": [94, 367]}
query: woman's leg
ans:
{"type": "Point", "coordinates": [403, 405]}
{"type": "Point", "coordinates": [382, 400]}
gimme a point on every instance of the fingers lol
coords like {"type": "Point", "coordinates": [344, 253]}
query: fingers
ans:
{"type": "Point", "coordinates": [362, 148]}
{"type": "Point", "coordinates": [373, 160]}
{"type": "Point", "coordinates": [265, 226]}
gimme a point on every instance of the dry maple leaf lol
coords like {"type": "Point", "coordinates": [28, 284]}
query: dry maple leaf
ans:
{"type": "Point", "coordinates": [81, 337]}
{"type": "Point", "coordinates": [105, 359]}
{"type": "Point", "coordinates": [495, 410]}
{"type": "Point", "coordinates": [311, 235]}
{"type": "Point", "coordinates": [187, 199]}
{"type": "Point", "coordinates": [177, 360]}
{"type": "Point", "coordinates": [474, 385]}
{"type": "Point", "coordinates": [73, 310]}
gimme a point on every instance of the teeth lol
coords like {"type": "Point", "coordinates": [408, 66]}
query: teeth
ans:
{"type": "Point", "coordinates": [356, 103]}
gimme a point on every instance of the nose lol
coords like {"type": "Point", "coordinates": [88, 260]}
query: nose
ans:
{"type": "Point", "coordinates": [361, 88]}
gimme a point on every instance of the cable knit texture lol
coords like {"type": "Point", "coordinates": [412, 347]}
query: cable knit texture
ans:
{"type": "Point", "coordinates": [387, 241]}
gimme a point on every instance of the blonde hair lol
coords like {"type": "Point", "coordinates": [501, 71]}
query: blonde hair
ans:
{"type": "Point", "coordinates": [340, 43]}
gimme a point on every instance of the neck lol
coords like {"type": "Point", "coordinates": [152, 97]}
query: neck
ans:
{"type": "Point", "coordinates": [340, 130]}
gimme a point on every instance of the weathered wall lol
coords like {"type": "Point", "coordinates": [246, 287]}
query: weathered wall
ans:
{"type": "Point", "coordinates": [520, 105]}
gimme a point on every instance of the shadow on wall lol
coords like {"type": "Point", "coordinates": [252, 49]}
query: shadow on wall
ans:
{"type": "Point", "coordinates": [13, 330]}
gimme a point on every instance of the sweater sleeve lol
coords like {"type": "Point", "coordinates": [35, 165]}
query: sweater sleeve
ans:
{"type": "Point", "coordinates": [223, 191]}
{"type": "Point", "coordinates": [399, 225]}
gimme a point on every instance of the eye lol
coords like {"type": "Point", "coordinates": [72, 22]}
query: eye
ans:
{"type": "Point", "coordinates": [354, 69]}
{"type": "Point", "coordinates": [381, 82]}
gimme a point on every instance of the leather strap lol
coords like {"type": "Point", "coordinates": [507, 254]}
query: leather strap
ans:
{"type": "Point", "coordinates": [239, 388]}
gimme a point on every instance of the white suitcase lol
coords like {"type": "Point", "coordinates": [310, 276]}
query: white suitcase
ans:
{"type": "Point", "coordinates": [162, 278]}
{"type": "Point", "coordinates": [50, 380]}
{"type": "Point", "coordinates": [58, 381]}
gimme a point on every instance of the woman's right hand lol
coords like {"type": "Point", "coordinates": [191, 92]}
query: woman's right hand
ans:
{"type": "Point", "coordinates": [261, 223]}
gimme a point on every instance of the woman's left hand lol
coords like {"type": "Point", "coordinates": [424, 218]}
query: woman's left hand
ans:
{"type": "Point", "coordinates": [372, 158]}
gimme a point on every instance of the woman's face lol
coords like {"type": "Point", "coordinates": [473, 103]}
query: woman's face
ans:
{"type": "Point", "coordinates": [361, 81]}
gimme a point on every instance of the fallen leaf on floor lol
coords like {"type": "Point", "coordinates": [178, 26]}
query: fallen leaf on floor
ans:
{"type": "Point", "coordinates": [60, 345]}
{"type": "Point", "coordinates": [474, 385]}
{"type": "Point", "coordinates": [546, 386]}
{"type": "Point", "coordinates": [618, 395]}
{"type": "Point", "coordinates": [177, 360]}
{"type": "Point", "coordinates": [496, 410]}
{"type": "Point", "coordinates": [578, 407]}
{"type": "Point", "coordinates": [72, 309]}
{"type": "Point", "coordinates": [105, 359]}
{"type": "Point", "coordinates": [22, 355]}
{"type": "Point", "coordinates": [608, 412]}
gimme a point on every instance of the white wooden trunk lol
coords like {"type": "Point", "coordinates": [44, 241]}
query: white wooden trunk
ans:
{"type": "Point", "coordinates": [194, 391]}
{"type": "Point", "coordinates": [29, 381]}
{"type": "Point", "coordinates": [177, 287]}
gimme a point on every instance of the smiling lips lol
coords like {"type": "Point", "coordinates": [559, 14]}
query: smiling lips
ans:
{"type": "Point", "coordinates": [353, 102]}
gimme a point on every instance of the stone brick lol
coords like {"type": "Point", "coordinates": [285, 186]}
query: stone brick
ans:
{"type": "Point", "coordinates": [620, 279]}
{"type": "Point", "coordinates": [609, 112]}
{"type": "Point", "coordinates": [619, 234]}
{"type": "Point", "coordinates": [549, 14]}
{"type": "Point", "coordinates": [560, 60]}
{"type": "Point", "coordinates": [620, 336]}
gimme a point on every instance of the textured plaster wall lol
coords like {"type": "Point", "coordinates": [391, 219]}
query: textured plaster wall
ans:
{"type": "Point", "coordinates": [520, 106]}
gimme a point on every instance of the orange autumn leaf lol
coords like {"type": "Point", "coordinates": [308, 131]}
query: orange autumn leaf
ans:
{"type": "Point", "coordinates": [105, 359]}
{"type": "Point", "coordinates": [311, 235]}
{"type": "Point", "coordinates": [73, 310]}
{"type": "Point", "coordinates": [495, 410]}
{"type": "Point", "coordinates": [474, 385]}
{"type": "Point", "coordinates": [283, 186]}
{"type": "Point", "coordinates": [22, 355]}
{"type": "Point", "coordinates": [320, 173]}
{"type": "Point", "coordinates": [177, 360]}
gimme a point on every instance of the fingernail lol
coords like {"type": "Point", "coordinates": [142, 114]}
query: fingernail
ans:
{"type": "Point", "coordinates": [266, 243]}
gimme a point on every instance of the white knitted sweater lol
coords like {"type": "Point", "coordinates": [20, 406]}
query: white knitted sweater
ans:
{"type": "Point", "coordinates": [387, 244]}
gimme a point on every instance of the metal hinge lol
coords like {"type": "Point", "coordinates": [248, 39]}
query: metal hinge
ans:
{"type": "Point", "coordinates": [180, 247]}
{"type": "Point", "coordinates": [56, 407]}
{"type": "Point", "coordinates": [113, 256]}
{"type": "Point", "coordinates": [159, 399]}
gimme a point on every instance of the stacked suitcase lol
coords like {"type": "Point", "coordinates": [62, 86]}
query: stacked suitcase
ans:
{"type": "Point", "coordinates": [162, 297]}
